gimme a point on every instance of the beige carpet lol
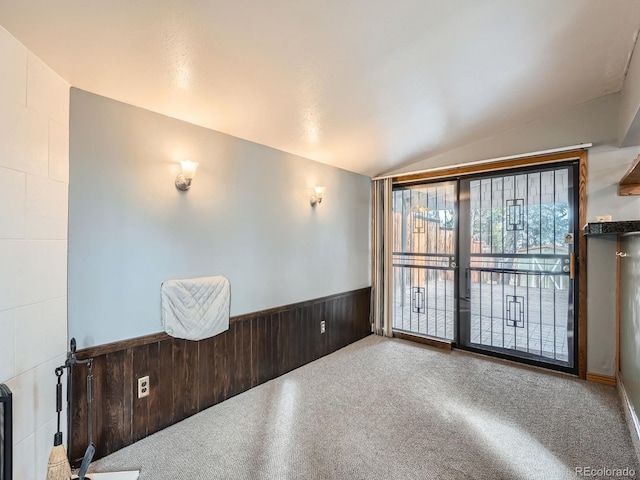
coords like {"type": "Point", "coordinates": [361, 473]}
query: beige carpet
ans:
{"type": "Point", "coordinates": [389, 409]}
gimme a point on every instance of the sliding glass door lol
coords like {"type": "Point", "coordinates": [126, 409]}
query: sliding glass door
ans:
{"type": "Point", "coordinates": [424, 260]}
{"type": "Point", "coordinates": [518, 257]}
{"type": "Point", "coordinates": [487, 262]}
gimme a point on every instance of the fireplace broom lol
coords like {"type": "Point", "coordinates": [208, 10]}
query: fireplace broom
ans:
{"type": "Point", "coordinates": [58, 467]}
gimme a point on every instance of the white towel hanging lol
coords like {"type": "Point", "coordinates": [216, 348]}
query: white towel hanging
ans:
{"type": "Point", "coordinates": [195, 308]}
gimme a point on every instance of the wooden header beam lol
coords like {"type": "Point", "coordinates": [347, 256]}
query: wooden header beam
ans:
{"type": "Point", "coordinates": [488, 167]}
{"type": "Point", "coordinates": [630, 183]}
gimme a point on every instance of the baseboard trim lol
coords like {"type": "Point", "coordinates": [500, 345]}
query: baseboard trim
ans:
{"type": "Point", "coordinates": [608, 380]}
{"type": "Point", "coordinates": [630, 416]}
{"type": "Point", "coordinates": [433, 342]}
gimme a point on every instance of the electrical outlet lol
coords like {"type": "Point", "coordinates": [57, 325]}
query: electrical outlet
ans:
{"type": "Point", "coordinates": [143, 387]}
{"type": "Point", "coordinates": [322, 327]}
{"type": "Point", "coordinates": [602, 218]}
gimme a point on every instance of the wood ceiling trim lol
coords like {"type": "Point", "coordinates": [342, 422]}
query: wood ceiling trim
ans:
{"type": "Point", "coordinates": [489, 167]}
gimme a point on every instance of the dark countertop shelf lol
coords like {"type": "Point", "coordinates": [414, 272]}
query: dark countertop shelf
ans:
{"type": "Point", "coordinates": [611, 228]}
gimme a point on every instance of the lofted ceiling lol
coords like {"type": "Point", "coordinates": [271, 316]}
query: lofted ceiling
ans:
{"type": "Point", "coordinates": [365, 85]}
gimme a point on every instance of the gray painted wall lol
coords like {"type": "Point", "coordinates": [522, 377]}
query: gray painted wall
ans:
{"type": "Point", "coordinates": [630, 318]}
{"type": "Point", "coordinates": [607, 165]}
{"type": "Point", "coordinates": [247, 217]}
{"type": "Point", "coordinates": [595, 121]}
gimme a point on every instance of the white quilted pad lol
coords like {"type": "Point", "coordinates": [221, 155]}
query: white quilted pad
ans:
{"type": "Point", "coordinates": [195, 308]}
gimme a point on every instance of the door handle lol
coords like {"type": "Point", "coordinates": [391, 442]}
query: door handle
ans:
{"type": "Point", "coordinates": [467, 279]}
{"type": "Point", "coordinates": [572, 265]}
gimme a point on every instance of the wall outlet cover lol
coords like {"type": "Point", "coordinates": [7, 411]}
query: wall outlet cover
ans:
{"type": "Point", "coordinates": [143, 387]}
{"type": "Point", "coordinates": [322, 327]}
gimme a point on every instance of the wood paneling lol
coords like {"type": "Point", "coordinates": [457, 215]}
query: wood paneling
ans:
{"type": "Point", "coordinates": [152, 402]}
{"type": "Point", "coordinates": [140, 409]}
{"type": "Point", "coordinates": [186, 377]}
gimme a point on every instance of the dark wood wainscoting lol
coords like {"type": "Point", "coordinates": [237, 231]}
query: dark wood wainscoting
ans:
{"type": "Point", "coordinates": [187, 377]}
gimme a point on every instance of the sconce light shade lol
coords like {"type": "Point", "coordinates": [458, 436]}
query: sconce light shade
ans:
{"type": "Point", "coordinates": [316, 198]}
{"type": "Point", "coordinates": [183, 181]}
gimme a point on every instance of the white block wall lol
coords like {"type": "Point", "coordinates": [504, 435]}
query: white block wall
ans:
{"type": "Point", "coordinates": [34, 177]}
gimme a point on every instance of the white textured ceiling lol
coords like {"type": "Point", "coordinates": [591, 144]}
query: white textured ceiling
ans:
{"type": "Point", "coordinates": [366, 85]}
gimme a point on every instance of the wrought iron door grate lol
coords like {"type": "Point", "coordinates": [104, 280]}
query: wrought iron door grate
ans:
{"type": "Point", "coordinates": [515, 214]}
{"type": "Point", "coordinates": [514, 315]}
{"type": "Point", "coordinates": [417, 300]}
{"type": "Point", "coordinates": [424, 247]}
{"type": "Point", "coordinates": [521, 299]}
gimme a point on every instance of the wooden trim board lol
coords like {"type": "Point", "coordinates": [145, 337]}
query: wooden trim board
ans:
{"type": "Point", "coordinates": [490, 167]}
{"type": "Point", "coordinates": [434, 342]}
{"type": "Point", "coordinates": [582, 266]}
{"type": "Point", "coordinates": [602, 379]}
{"type": "Point", "coordinates": [103, 349]}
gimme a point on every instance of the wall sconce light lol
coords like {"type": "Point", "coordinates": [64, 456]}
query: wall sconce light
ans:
{"type": "Point", "coordinates": [183, 181]}
{"type": "Point", "coordinates": [316, 198]}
